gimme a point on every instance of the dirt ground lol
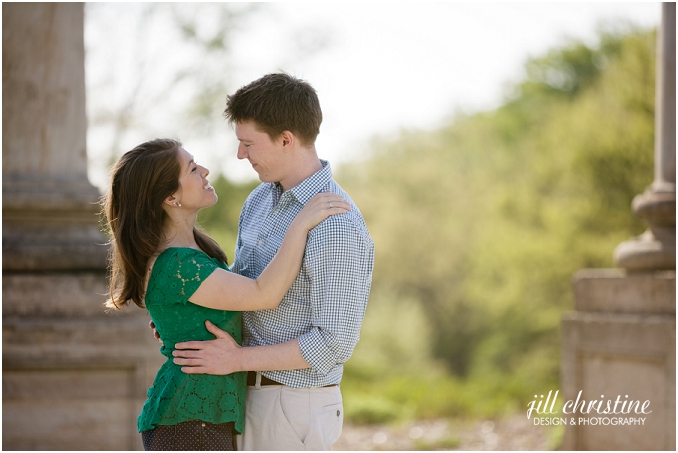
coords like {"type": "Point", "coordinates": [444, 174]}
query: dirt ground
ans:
{"type": "Point", "coordinates": [513, 433]}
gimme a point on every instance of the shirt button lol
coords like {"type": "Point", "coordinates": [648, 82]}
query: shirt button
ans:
{"type": "Point", "coordinates": [203, 425]}
{"type": "Point", "coordinates": [338, 413]}
{"type": "Point", "coordinates": [260, 242]}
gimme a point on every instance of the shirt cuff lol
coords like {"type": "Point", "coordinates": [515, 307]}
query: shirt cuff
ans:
{"type": "Point", "coordinates": [316, 351]}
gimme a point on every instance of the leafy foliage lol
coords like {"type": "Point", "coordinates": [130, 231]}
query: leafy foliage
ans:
{"type": "Point", "coordinates": [483, 222]}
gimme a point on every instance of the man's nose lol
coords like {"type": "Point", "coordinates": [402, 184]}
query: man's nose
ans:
{"type": "Point", "coordinates": [242, 152]}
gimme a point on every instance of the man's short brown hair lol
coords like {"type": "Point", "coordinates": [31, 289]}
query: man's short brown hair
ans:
{"type": "Point", "coordinates": [276, 103]}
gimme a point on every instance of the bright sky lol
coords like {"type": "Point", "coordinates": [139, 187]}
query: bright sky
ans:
{"type": "Point", "coordinates": [377, 67]}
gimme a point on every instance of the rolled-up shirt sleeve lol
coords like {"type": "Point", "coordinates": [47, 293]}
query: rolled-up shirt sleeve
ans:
{"type": "Point", "coordinates": [339, 260]}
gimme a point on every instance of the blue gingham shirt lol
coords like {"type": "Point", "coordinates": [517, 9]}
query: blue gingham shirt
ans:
{"type": "Point", "coordinates": [325, 306]}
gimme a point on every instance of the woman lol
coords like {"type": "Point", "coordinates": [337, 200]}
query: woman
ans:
{"type": "Point", "coordinates": [162, 262]}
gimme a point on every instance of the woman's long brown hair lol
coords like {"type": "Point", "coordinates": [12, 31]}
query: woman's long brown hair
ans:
{"type": "Point", "coordinates": [140, 182]}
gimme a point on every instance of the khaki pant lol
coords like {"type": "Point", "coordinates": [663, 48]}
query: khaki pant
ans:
{"type": "Point", "coordinates": [278, 417]}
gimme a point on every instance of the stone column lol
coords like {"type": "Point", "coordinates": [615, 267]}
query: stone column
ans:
{"type": "Point", "coordinates": [621, 340]}
{"type": "Point", "coordinates": [656, 248]}
{"type": "Point", "coordinates": [73, 377]}
{"type": "Point", "coordinates": [48, 205]}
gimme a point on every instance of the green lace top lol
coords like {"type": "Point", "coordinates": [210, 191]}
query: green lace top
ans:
{"type": "Point", "coordinates": [177, 397]}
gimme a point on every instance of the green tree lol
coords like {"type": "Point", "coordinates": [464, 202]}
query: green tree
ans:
{"type": "Point", "coordinates": [483, 222]}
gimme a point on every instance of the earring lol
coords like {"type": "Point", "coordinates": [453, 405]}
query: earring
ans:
{"type": "Point", "coordinates": [178, 204]}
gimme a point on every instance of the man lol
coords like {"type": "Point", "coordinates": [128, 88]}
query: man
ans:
{"type": "Point", "coordinates": [298, 349]}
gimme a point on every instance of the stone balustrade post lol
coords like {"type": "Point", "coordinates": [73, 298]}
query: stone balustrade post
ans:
{"type": "Point", "coordinates": [656, 248]}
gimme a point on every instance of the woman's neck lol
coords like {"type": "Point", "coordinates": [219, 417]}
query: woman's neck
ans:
{"type": "Point", "coordinates": [178, 232]}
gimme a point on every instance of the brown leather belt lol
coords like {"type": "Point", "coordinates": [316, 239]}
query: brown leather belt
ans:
{"type": "Point", "coordinates": [252, 379]}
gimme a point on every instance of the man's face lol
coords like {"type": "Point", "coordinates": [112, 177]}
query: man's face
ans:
{"type": "Point", "coordinates": [265, 155]}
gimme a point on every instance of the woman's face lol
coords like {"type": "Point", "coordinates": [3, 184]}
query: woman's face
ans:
{"type": "Point", "coordinates": [194, 191]}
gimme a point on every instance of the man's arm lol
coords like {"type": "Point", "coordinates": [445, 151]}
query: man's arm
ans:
{"type": "Point", "coordinates": [339, 260]}
{"type": "Point", "coordinates": [224, 356]}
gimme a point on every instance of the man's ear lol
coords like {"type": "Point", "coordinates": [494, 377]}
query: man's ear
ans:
{"type": "Point", "coordinates": [288, 139]}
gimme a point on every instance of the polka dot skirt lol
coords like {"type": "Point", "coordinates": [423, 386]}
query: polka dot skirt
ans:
{"type": "Point", "coordinates": [195, 435]}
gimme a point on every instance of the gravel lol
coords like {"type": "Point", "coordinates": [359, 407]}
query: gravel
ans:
{"type": "Point", "coordinates": [512, 433]}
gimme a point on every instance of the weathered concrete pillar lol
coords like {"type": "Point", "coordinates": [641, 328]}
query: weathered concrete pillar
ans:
{"type": "Point", "coordinates": [73, 377]}
{"type": "Point", "coordinates": [621, 340]}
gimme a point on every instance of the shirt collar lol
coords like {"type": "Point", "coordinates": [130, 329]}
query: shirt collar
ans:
{"type": "Point", "coordinates": [308, 188]}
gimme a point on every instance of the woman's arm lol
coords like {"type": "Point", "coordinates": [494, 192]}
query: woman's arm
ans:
{"type": "Point", "coordinates": [224, 290]}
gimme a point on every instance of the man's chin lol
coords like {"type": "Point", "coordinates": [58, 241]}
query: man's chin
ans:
{"type": "Point", "coordinates": [265, 178]}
